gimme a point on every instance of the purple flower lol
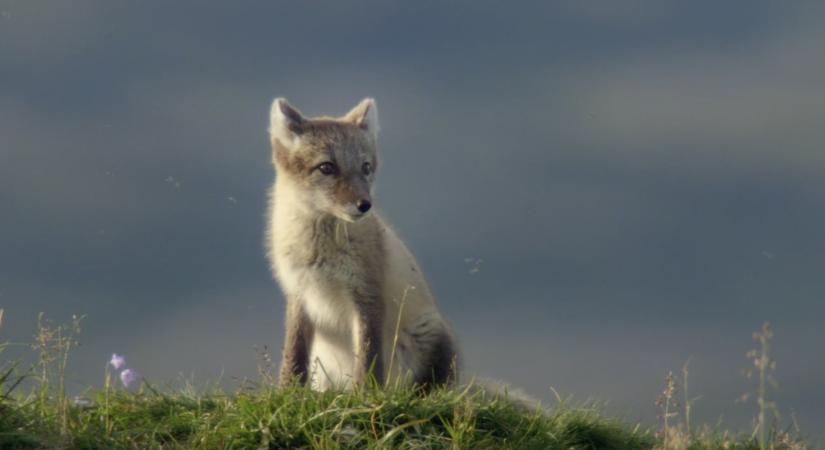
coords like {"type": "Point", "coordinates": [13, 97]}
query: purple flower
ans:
{"type": "Point", "coordinates": [128, 377]}
{"type": "Point", "coordinates": [118, 361]}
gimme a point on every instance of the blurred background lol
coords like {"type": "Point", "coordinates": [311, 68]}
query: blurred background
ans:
{"type": "Point", "coordinates": [599, 191]}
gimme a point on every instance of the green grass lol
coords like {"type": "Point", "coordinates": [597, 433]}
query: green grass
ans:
{"type": "Point", "coordinates": [36, 413]}
{"type": "Point", "coordinates": [302, 419]}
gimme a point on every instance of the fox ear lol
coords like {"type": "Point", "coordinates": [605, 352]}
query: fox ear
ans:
{"type": "Point", "coordinates": [285, 123]}
{"type": "Point", "coordinates": [365, 115]}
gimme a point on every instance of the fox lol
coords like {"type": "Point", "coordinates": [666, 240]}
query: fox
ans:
{"type": "Point", "coordinates": [358, 307]}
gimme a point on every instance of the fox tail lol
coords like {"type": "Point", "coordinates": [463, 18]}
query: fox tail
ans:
{"type": "Point", "coordinates": [495, 389]}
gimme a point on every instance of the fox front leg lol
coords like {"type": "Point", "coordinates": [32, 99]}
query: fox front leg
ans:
{"type": "Point", "coordinates": [297, 343]}
{"type": "Point", "coordinates": [368, 345]}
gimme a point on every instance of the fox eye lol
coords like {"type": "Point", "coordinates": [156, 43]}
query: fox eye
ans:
{"type": "Point", "coordinates": [366, 168]}
{"type": "Point", "coordinates": [327, 168]}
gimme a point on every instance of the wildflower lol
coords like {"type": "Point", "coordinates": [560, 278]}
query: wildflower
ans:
{"type": "Point", "coordinates": [128, 377]}
{"type": "Point", "coordinates": [117, 361]}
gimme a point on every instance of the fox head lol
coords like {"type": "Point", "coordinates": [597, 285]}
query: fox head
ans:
{"type": "Point", "coordinates": [329, 163]}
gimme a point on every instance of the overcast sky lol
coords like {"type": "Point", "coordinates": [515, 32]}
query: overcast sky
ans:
{"type": "Point", "coordinates": [644, 182]}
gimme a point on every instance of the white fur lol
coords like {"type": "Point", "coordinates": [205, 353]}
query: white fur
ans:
{"type": "Point", "coordinates": [331, 364]}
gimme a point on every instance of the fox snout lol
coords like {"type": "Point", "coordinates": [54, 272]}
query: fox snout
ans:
{"type": "Point", "coordinates": [363, 205]}
{"type": "Point", "coordinates": [352, 196]}
{"type": "Point", "coordinates": [355, 212]}
{"type": "Point", "coordinates": [356, 207]}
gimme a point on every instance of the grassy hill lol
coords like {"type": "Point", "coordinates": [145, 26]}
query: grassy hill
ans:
{"type": "Point", "coordinates": [36, 413]}
{"type": "Point", "coordinates": [301, 419]}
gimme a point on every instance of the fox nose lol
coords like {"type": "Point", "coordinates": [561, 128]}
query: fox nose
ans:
{"type": "Point", "coordinates": [363, 205]}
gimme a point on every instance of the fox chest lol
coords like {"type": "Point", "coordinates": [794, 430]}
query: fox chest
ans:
{"type": "Point", "coordinates": [326, 289]}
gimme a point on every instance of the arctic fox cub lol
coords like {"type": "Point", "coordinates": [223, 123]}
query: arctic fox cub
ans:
{"type": "Point", "coordinates": [357, 303]}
